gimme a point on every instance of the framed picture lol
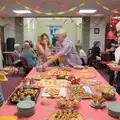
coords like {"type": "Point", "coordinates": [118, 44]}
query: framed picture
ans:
{"type": "Point", "coordinates": [96, 30]}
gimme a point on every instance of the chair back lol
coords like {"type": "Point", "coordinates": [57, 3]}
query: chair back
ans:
{"type": "Point", "coordinates": [24, 62]}
{"type": "Point", "coordinates": [12, 57]}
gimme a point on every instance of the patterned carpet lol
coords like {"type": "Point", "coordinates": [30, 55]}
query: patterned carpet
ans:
{"type": "Point", "coordinates": [9, 86]}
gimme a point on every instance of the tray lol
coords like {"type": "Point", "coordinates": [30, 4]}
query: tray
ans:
{"type": "Point", "coordinates": [24, 94]}
{"type": "Point", "coordinates": [66, 115]}
{"type": "Point", "coordinates": [61, 93]}
{"type": "Point", "coordinates": [80, 92]}
{"type": "Point", "coordinates": [53, 83]}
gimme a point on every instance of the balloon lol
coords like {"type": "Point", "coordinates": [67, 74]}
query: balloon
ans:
{"type": "Point", "coordinates": [114, 22]}
{"type": "Point", "coordinates": [110, 35]}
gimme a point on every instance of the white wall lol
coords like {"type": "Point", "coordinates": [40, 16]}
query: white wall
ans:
{"type": "Point", "coordinates": [9, 30]}
{"type": "Point", "coordinates": [33, 29]}
{"type": "Point", "coordinates": [97, 22]}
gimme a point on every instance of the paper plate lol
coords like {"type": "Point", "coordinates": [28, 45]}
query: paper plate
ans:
{"type": "Point", "coordinates": [8, 118]}
{"type": "Point", "coordinates": [3, 79]}
{"type": "Point", "coordinates": [114, 109]}
{"type": "Point", "coordinates": [102, 105]}
{"type": "Point", "coordinates": [26, 104]}
{"type": "Point", "coordinates": [26, 108]}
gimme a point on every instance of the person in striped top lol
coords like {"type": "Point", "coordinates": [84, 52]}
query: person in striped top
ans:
{"type": "Point", "coordinates": [1, 97]}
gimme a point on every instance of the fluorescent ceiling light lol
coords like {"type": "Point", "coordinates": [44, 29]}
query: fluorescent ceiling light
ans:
{"type": "Point", "coordinates": [117, 17]}
{"type": "Point", "coordinates": [21, 11]}
{"type": "Point", "coordinates": [88, 11]}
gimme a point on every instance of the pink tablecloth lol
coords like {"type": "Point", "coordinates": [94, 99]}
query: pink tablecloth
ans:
{"type": "Point", "coordinates": [42, 112]}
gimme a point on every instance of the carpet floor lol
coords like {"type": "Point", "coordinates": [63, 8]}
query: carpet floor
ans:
{"type": "Point", "coordinates": [13, 81]}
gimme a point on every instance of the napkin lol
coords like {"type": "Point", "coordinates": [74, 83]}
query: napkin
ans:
{"type": "Point", "coordinates": [8, 118]}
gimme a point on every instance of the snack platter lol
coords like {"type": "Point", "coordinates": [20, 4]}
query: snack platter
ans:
{"type": "Point", "coordinates": [78, 92]}
{"type": "Point", "coordinates": [97, 101]}
{"type": "Point", "coordinates": [53, 83]}
{"type": "Point", "coordinates": [10, 69]}
{"type": "Point", "coordinates": [53, 92]}
{"type": "Point", "coordinates": [66, 115]}
{"type": "Point", "coordinates": [87, 75]}
{"type": "Point", "coordinates": [23, 93]}
{"type": "Point", "coordinates": [91, 82]}
{"type": "Point", "coordinates": [40, 77]}
{"type": "Point", "coordinates": [64, 103]}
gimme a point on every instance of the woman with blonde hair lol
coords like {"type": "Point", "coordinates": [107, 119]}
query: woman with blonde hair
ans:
{"type": "Point", "coordinates": [43, 47]}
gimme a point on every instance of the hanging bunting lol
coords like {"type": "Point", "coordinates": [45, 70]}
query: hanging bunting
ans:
{"type": "Point", "coordinates": [71, 9]}
{"type": "Point", "coordinates": [51, 13]}
{"type": "Point", "coordinates": [39, 6]}
{"type": "Point", "coordinates": [106, 8]}
{"type": "Point", "coordinates": [4, 6]}
{"type": "Point", "coordinates": [29, 23]}
{"type": "Point", "coordinates": [8, 24]}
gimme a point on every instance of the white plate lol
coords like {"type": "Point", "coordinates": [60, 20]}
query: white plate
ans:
{"type": "Point", "coordinates": [102, 105]}
{"type": "Point", "coordinates": [78, 67]}
{"type": "Point", "coordinates": [88, 89]}
{"type": "Point", "coordinates": [61, 93]}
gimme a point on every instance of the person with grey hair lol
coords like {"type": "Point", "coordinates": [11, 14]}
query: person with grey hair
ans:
{"type": "Point", "coordinates": [29, 55]}
{"type": "Point", "coordinates": [67, 51]}
{"type": "Point", "coordinates": [16, 54]}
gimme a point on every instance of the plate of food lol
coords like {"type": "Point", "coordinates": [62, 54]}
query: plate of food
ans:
{"type": "Point", "coordinates": [10, 69]}
{"type": "Point", "coordinates": [66, 68]}
{"type": "Point", "coordinates": [53, 92]}
{"type": "Point", "coordinates": [23, 94]}
{"type": "Point", "coordinates": [78, 67]}
{"type": "Point", "coordinates": [84, 71]}
{"type": "Point", "coordinates": [61, 75]}
{"type": "Point", "coordinates": [5, 73]}
{"type": "Point", "coordinates": [40, 77]}
{"type": "Point", "coordinates": [108, 93]}
{"type": "Point", "coordinates": [73, 79]}
{"type": "Point", "coordinates": [66, 115]}
{"type": "Point", "coordinates": [97, 105]}
{"type": "Point", "coordinates": [53, 83]}
{"type": "Point", "coordinates": [79, 92]}
{"type": "Point", "coordinates": [53, 71]}
{"type": "Point", "coordinates": [88, 75]}
{"type": "Point", "coordinates": [97, 101]}
{"type": "Point", "coordinates": [91, 82]}
{"type": "Point", "coordinates": [36, 77]}
{"type": "Point", "coordinates": [62, 102]}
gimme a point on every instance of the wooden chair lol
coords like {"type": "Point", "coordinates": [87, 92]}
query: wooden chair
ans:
{"type": "Point", "coordinates": [26, 67]}
{"type": "Point", "coordinates": [92, 62]}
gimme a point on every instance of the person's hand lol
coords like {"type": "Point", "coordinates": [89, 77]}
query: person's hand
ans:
{"type": "Point", "coordinates": [45, 43]}
{"type": "Point", "coordinates": [112, 49]}
{"type": "Point", "coordinates": [45, 65]}
{"type": "Point", "coordinates": [111, 66]}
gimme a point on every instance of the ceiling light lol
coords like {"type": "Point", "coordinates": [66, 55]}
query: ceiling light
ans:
{"type": "Point", "coordinates": [118, 17]}
{"type": "Point", "coordinates": [21, 11]}
{"type": "Point", "coordinates": [88, 11]}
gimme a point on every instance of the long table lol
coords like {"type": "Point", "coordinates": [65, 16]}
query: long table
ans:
{"type": "Point", "coordinates": [43, 111]}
